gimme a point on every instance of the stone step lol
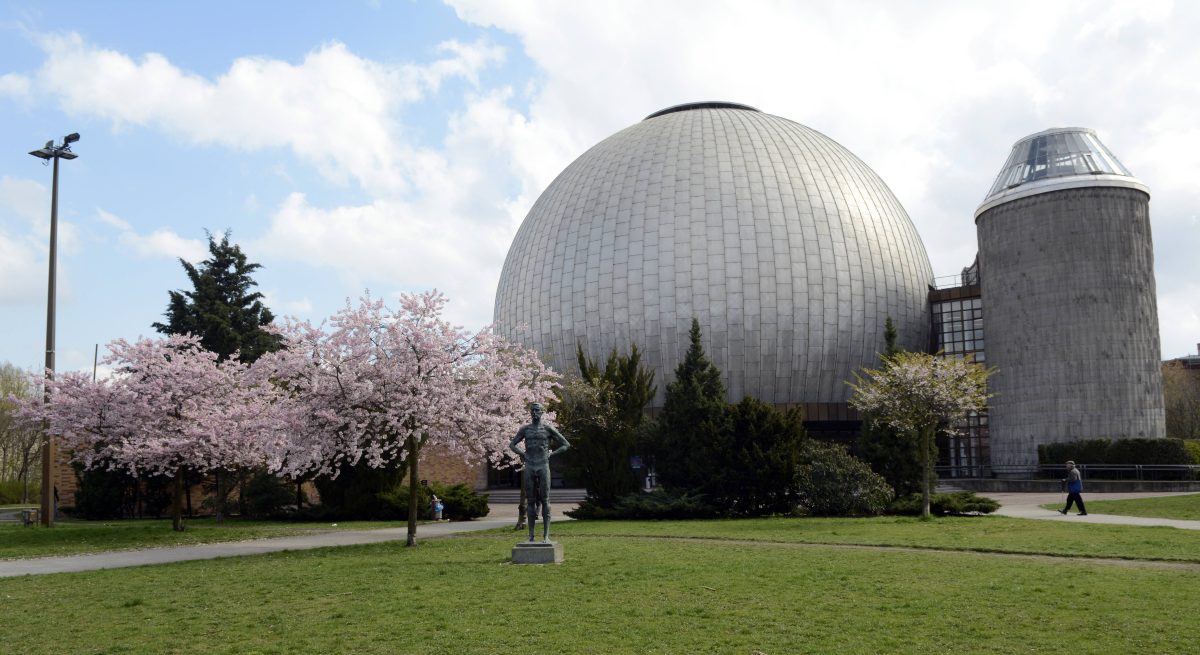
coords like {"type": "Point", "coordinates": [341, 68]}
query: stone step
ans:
{"type": "Point", "coordinates": [513, 496]}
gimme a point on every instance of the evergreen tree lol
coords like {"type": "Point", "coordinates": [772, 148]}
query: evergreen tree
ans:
{"type": "Point", "coordinates": [221, 309]}
{"type": "Point", "coordinates": [889, 336]}
{"type": "Point", "coordinates": [761, 470]}
{"type": "Point", "coordinates": [693, 441]}
{"type": "Point", "coordinates": [224, 313]}
{"type": "Point", "coordinates": [603, 412]}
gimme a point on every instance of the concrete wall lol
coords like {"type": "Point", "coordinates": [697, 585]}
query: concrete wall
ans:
{"type": "Point", "coordinates": [1071, 320]}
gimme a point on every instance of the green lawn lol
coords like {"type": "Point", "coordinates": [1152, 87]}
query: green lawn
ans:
{"type": "Point", "coordinates": [617, 594]}
{"type": "Point", "coordinates": [981, 533]}
{"type": "Point", "coordinates": [1165, 507]}
{"type": "Point", "coordinates": [74, 537]}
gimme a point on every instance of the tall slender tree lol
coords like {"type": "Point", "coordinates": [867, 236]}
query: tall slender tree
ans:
{"type": "Point", "coordinates": [222, 309]}
{"type": "Point", "coordinates": [20, 454]}
{"type": "Point", "coordinates": [228, 317]}
{"type": "Point", "coordinates": [694, 427]}
{"type": "Point", "coordinates": [603, 411]}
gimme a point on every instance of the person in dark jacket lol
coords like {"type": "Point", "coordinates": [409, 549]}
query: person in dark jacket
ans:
{"type": "Point", "coordinates": [1074, 483]}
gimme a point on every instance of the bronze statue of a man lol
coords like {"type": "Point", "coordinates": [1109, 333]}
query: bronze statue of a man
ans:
{"type": "Point", "coordinates": [538, 438]}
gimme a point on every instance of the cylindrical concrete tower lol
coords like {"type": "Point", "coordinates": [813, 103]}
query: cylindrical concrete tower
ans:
{"type": "Point", "coordinates": [1067, 275]}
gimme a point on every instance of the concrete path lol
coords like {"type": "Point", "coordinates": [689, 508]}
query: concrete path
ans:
{"type": "Point", "coordinates": [1028, 506]}
{"type": "Point", "coordinates": [501, 516]}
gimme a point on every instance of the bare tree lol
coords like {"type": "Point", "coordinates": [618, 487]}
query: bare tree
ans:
{"type": "Point", "coordinates": [20, 452]}
{"type": "Point", "coordinates": [1181, 392]}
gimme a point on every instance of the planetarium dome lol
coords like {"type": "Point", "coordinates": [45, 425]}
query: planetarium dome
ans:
{"type": "Point", "coordinates": [786, 247]}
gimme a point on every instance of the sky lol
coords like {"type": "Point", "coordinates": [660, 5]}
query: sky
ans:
{"type": "Point", "coordinates": [391, 147]}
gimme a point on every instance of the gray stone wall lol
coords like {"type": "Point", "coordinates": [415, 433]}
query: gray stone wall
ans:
{"type": "Point", "coordinates": [787, 248]}
{"type": "Point", "coordinates": [1071, 321]}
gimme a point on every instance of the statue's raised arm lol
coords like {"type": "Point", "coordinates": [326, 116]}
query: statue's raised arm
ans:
{"type": "Point", "coordinates": [564, 445]}
{"type": "Point", "coordinates": [512, 444]}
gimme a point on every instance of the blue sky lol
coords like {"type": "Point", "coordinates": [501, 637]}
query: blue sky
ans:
{"type": "Point", "coordinates": [396, 146]}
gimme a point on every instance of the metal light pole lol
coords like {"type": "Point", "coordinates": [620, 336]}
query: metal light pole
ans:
{"type": "Point", "coordinates": [51, 152]}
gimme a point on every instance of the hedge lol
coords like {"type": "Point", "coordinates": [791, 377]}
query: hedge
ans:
{"type": "Point", "coordinates": [1119, 451]}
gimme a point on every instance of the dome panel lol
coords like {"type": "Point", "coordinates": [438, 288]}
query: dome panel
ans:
{"type": "Point", "coordinates": [787, 248]}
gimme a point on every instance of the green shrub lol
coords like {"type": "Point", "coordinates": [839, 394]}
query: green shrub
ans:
{"type": "Point", "coordinates": [831, 482]}
{"type": "Point", "coordinates": [266, 495]}
{"type": "Point", "coordinates": [1119, 451]}
{"type": "Point", "coordinates": [1091, 451]}
{"type": "Point", "coordinates": [958, 503]}
{"type": "Point", "coordinates": [1193, 448]}
{"type": "Point", "coordinates": [460, 502]}
{"type": "Point", "coordinates": [396, 500]}
{"type": "Point", "coordinates": [657, 504]}
{"type": "Point", "coordinates": [358, 493]}
{"type": "Point", "coordinates": [894, 455]}
{"type": "Point", "coordinates": [103, 494]}
{"type": "Point", "coordinates": [759, 471]}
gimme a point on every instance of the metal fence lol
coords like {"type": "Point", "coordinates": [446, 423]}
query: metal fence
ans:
{"type": "Point", "coordinates": [1124, 471]}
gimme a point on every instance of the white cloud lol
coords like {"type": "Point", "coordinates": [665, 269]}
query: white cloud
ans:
{"type": "Point", "coordinates": [22, 274]}
{"type": "Point", "coordinates": [280, 306]}
{"type": "Point", "coordinates": [24, 240]}
{"type": "Point", "coordinates": [159, 243]}
{"type": "Point", "coordinates": [395, 246]}
{"type": "Point", "coordinates": [334, 110]}
{"type": "Point", "coordinates": [1179, 318]}
{"type": "Point", "coordinates": [25, 198]}
{"type": "Point", "coordinates": [12, 84]}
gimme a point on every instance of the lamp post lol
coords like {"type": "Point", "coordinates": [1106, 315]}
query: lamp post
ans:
{"type": "Point", "coordinates": [51, 152]}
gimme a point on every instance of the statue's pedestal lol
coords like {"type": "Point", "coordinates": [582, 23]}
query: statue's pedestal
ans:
{"type": "Point", "coordinates": [537, 552]}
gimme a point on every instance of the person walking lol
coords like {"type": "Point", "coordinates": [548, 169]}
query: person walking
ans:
{"type": "Point", "coordinates": [1074, 482]}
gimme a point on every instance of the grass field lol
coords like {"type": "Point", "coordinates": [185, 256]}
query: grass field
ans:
{"type": "Point", "coordinates": [1185, 507]}
{"type": "Point", "coordinates": [74, 537]}
{"type": "Point", "coordinates": [708, 587]}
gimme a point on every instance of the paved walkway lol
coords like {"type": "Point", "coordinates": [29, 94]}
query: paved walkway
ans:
{"type": "Point", "coordinates": [1028, 506]}
{"type": "Point", "coordinates": [1019, 505]}
{"type": "Point", "coordinates": [501, 516]}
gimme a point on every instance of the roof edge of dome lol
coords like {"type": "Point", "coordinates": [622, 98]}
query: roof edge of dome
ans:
{"type": "Point", "coordinates": [706, 104]}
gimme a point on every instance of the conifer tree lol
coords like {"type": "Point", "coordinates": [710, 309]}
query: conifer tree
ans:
{"type": "Point", "coordinates": [221, 309]}
{"type": "Point", "coordinates": [603, 411]}
{"type": "Point", "coordinates": [225, 314]}
{"type": "Point", "coordinates": [694, 428]}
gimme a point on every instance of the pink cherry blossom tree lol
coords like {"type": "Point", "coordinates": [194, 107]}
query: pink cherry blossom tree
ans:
{"type": "Point", "coordinates": [921, 394]}
{"type": "Point", "coordinates": [379, 385]}
{"type": "Point", "coordinates": [170, 406]}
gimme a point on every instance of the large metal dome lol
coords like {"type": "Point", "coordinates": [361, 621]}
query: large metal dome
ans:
{"type": "Point", "coordinates": [786, 247]}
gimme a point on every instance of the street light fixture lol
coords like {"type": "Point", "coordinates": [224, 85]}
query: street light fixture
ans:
{"type": "Point", "coordinates": [51, 152]}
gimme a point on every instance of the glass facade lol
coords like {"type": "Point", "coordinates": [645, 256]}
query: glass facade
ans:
{"type": "Point", "coordinates": [958, 332]}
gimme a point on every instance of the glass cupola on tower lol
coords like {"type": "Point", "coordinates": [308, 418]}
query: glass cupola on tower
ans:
{"type": "Point", "coordinates": [1055, 159]}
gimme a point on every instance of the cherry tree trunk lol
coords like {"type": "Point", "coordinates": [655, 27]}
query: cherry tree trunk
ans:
{"type": "Point", "coordinates": [412, 490]}
{"type": "Point", "coordinates": [219, 501]}
{"type": "Point", "coordinates": [926, 438]}
{"type": "Point", "coordinates": [177, 502]}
